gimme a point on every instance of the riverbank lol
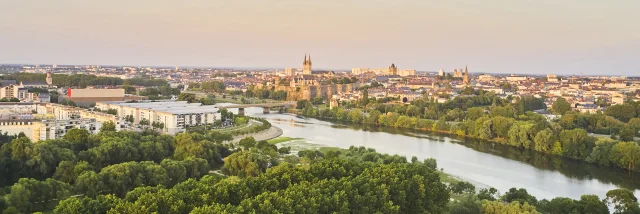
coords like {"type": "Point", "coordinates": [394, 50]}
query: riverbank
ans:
{"type": "Point", "coordinates": [446, 128]}
{"type": "Point", "coordinates": [299, 144]}
{"type": "Point", "coordinates": [271, 133]}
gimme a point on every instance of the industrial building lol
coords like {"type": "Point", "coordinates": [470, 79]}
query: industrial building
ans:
{"type": "Point", "coordinates": [175, 115]}
{"type": "Point", "coordinates": [85, 97]}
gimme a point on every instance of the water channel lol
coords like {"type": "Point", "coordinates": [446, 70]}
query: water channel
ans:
{"type": "Point", "coordinates": [488, 164]}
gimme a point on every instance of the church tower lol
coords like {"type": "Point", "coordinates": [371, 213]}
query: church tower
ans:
{"type": "Point", "coordinates": [49, 79]}
{"type": "Point", "coordinates": [465, 80]}
{"type": "Point", "coordinates": [393, 70]}
{"type": "Point", "coordinates": [306, 65]}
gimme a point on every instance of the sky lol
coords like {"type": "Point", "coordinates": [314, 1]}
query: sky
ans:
{"type": "Point", "coordinates": [593, 37]}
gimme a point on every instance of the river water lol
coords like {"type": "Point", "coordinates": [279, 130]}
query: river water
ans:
{"type": "Point", "coordinates": [489, 164]}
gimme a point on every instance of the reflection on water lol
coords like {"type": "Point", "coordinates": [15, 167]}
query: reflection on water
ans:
{"type": "Point", "coordinates": [491, 164]}
{"type": "Point", "coordinates": [569, 167]}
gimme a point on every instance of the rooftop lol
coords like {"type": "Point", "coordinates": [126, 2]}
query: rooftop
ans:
{"type": "Point", "coordinates": [171, 107]}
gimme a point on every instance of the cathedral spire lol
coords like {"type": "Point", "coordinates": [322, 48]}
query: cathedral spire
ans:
{"type": "Point", "coordinates": [309, 58]}
{"type": "Point", "coordinates": [305, 58]}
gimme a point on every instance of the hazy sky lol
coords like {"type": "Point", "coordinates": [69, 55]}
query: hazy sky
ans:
{"type": "Point", "coordinates": [502, 36]}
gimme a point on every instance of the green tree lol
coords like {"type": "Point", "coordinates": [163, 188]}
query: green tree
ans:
{"type": "Point", "coordinates": [626, 154]}
{"type": "Point", "coordinates": [496, 207]}
{"type": "Point", "coordinates": [245, 164]}
{"type": "Point", "coordinates": [561, 106]}
{"type": "Point", "coordinates": [189, 97]}
{"type": "Point", "coordinates": [622, 112]}
{"type": "Point", "coordinates": [248, 142]}
{"type": "Point", "coordinates": [108, 126]}
{"type": "Point", "coordinates": [623, 201]}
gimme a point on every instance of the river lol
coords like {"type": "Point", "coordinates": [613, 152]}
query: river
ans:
{"type": "Point", "coordinates": [489, 164]}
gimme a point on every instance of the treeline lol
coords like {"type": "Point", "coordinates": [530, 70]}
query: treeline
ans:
{"type": "Point", "coordinates": [146, 82]}
{"type": "Point", "coordinates": [357, 180]}
{"type": "Point", "coordinates": [157, 93]}
{"type": "Point", "coordinates": [262, 184]}
{"type": "Point", "coordinates": [63, 80]}
{"type": "Point", "coordinates": [265, 93]}
{"type": "Point", "coordinates": [208, 86]}
{"type": "Point", "coordinates": [109, 162]}
{"type": "Point", "coordinates": [503, 123]}
{"type": "Point", "coordinates": [83, 80]}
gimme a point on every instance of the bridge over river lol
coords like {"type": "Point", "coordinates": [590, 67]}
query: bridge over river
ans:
{"type": "Point", "coordinates": [265, 106]}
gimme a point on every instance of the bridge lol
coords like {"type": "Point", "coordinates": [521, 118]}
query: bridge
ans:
{"type": "Point", "coordinates": [265, 106]}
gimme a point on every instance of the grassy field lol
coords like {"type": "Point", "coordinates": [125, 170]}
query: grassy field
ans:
{"type": "Point", "coordinates": [282, 139]}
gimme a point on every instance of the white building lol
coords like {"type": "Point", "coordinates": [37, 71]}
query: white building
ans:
{"type": "Point", "coordinates": [175, 115]}
{"type": "Point", "coordinates": [407, 72]}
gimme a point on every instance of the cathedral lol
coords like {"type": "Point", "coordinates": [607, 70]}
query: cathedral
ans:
{"type": "Point", "coordinates": [460, 74]}
{"type": "Point", "coordinates": [306, 69]}
{"type": "Point", "coordinates": [306, 65]}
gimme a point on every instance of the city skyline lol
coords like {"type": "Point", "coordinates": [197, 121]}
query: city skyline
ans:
{"type": "Point", "coordinates": [590, 37]}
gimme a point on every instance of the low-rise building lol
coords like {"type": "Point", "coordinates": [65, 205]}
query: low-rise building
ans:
{"type": "Point", "coordinates": [176, 116]}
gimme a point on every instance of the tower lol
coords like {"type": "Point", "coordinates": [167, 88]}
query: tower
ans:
{"type": "Point", "coordinates": [306, 65]}
{"type": "Point", "coordinates": [49, 78]}
{"type": "Point", "coordinates": [393, 70]}
{"type": "Point", "coordinates": [465, 79]}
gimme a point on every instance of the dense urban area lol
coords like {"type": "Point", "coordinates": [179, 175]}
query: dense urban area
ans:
{"type": "Point", "coordinates": [128, 139]}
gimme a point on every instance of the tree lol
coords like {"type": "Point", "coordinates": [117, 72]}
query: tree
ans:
{"type": "Point", "coordinates": [78, 138]}
{"type": "Point", "coordinates": [108, 126]}
{"type": "Point", "coordinates": [561, 106]}
{"type": "Point", "coordinates": [622, 112]}
{"type": "Point", "coordinates": [248, 142]}
{"type": "Point", "coordinates": [189, 97]}
{"type": "Point", "coordinates": [128, 89]}
{"type": "Point", "coordinates": [544, 141]}
{"type": "Point", "coordinates": [627, 133]}
{"type": "Point", "coordinates": [245, 164]}
{"type": "Point", "coordinates": [496, 207]}
{"type": "Point", "coordinates": [365, 98]}
{"type": "Point", "coordinates": [112, 111]}
{"type": "Point", "coordinates": [28, 195]}
{"type": "Point", "coordinates": [593, 204]}
{"type": "Point", "coordinates": [626, 155]}
{"type": "Point", "coordinates": [474, 113]}
{"type": "Point", "coordinates": [623, 201]}
{"type": "Point", "coordinates": [144, 122]}
{"type": "Point", "coordinates": [519, 195]}
{"type": "Point", "coordinates": [467, 204]}
{"type": "Point", "coordinates": [462, 187]}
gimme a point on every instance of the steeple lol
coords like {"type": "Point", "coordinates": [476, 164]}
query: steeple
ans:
{"type": "Point", "coordinates": [306, 66]}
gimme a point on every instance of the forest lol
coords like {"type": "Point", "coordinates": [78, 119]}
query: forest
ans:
{"type": "Point", "coordinates": [127, 172]}
{"type": "Point", "coordinates": [490, 118]}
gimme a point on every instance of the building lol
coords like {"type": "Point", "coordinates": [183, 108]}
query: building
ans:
{"type": "Point", "coordinates": [407, 72]}
{"type": "Point", "coordinates": [289, 71]}
{"type": "Point", "coordinates": [358, 71]}
{"type": "Point", "coordinates": [393, 70]}
{"type": "Point", "coordinates": [49, 79]}
{"type": "Point", "coordinates": [486, 78]}
{"type": "Point", "coordinates": [465, 79]}
{"type": "Point", "coordinates": [306, 65]}
{"type": "Point", "coordinates": [516, 78]}
{"type": "Point", "coordinates": [552, 78]}
{"type": "Point", "coordinates": [89, 96]}
{"type": "Point", "coordinates": [457, 74]}
{"type": "Point", "coordinates": [441, 73]}
{"type": "Point", "coordinates": [176, 116]}
{"type": "Point", "coordinates": [10, 91]}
